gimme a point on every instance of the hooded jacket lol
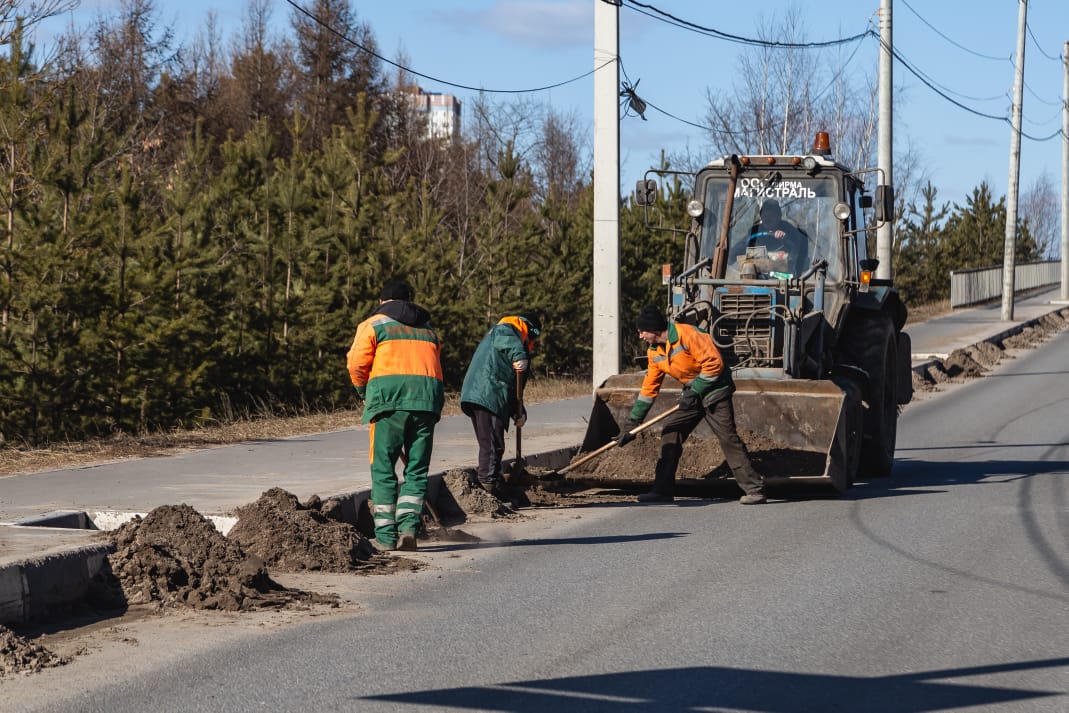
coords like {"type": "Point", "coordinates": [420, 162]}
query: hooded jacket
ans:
{"type": "Point", "coordinates": [691, 357]}
{"type": "Point", "coordinates": [395, 361]}
{"type": "Point", "coordinates": [490, 381]}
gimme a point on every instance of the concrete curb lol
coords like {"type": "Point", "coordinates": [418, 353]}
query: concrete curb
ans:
{"type": "Point", "coordinates": [921, 368]}
{"type": "Point", "coordinates": [34, 587]}
{"type": "Point", "coordinates": [38, 586]}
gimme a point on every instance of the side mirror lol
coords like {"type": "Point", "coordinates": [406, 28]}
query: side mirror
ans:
{"type": "Point", "coordinates": [885, 203]}
{"type": "Point", "coordinates": [645, 192]}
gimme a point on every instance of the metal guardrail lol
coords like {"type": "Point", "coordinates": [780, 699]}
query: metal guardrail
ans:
{"type": "Point", "coordinates": [984, 283]}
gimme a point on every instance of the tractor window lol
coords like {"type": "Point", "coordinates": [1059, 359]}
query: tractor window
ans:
{"type": "Point", "coordinates": [780, 223]}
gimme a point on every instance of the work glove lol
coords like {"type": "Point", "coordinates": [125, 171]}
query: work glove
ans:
{"type": "Point", "coordinates": [361, 392]}
{"type": "Point", "coordinates": [520, 419]}
{"type": "Point", "coordinates": [689, 399]}
{"type": "Point", "coordinates": [626, 436]}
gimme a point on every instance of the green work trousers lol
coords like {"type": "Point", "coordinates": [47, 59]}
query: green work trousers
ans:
{"type": "Point", "coordinates": [409, 436]}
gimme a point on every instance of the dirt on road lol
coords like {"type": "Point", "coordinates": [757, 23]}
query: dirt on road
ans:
{"type": "Point", "coordinates": [292, 537]}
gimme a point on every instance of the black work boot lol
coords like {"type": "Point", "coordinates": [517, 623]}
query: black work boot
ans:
{"type": "Point", "coordinates": [664, 475]}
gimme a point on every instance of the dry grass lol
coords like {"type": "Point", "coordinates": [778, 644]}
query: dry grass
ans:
{"type": "Point", "coordinates": [14, 461]}
{"type": "Point", "coordinates": [922, 313]}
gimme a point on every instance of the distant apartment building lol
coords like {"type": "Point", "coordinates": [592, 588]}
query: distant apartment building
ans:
{"type": "Point", "coordinates": [442, 112]}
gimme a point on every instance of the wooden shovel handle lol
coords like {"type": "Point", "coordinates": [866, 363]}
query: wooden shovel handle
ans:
{"type": "Point", "coordinates": [611, 444]}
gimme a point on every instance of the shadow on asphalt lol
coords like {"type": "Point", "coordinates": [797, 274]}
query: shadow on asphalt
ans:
{"type": "Point", "coordinates": [715, 687]}
{"type": "Point", "coordinates": [543, 542]}
{"type": "Point", "coordinates": [912, 473]}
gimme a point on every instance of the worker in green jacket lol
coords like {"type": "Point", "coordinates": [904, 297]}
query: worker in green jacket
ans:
{"type": "Point", "coordinates": [492, 393]}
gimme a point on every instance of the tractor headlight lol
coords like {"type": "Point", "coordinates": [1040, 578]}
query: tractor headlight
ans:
{"type": "Point", "coordinates": [695, 209]}
{"type": "Point", "coordinates": [841, 211]}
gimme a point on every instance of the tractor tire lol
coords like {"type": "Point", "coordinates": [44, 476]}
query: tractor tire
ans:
{"type": "Point", "coordinates": [870, 343]}
{"type": "Point", "coordinates": [847, 454]}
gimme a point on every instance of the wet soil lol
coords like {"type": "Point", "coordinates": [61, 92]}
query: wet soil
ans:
{"type": "Point", "coordinates": [702, 462]}
{"type": "Point", "coordinates": [175, 557]}
{"type": "Point", "coordinates": [292, 537]}
{"type": "Point", "coordinates": [19, 655]}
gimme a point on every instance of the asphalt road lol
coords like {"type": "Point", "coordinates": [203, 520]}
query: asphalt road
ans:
{"type": "Point", "coordinates": [942, 588]}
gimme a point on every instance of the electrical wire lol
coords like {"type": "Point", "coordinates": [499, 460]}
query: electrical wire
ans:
{"type": "Point", "coordinates": [1036, 43]}
{"type": "Point", "coordinates": [916, 73]}
{"type": "Point", "coordinates": [1040, 99]}
{"type": "Point", "coordinates": [659, 14]}
{"type": "Point", "coordinates": [838, 74]}
{"type": "Point", "coordinates": [446, 82]}
{"type": "Point", "coordinates": [942, 91]}
{"type": "Point", "coordinates": [937, 31]}
{"type": "Point", "coordinates": [628, 85]}
{"type": "Point", "coordinates": [1056, 116]}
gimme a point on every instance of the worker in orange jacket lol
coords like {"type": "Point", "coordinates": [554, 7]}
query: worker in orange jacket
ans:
{"type": "Point", "coordinates": [690, 356]}
{"type": "Point", "coordinates": [395, 365]}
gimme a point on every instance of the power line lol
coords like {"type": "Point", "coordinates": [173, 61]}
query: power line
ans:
{"type": "Point", "coordinates": [629, 86]}
{"type": "Point", "coordinates": [1053, 117]}
{"type": "Point", "coordinates": [924, 80]}
{"type": "Point", "coordinates": [916, 73]}
{"type": "Point", "coordinates": [835, 77]}
{"type": "Point", "coordinates": [1040, 99]}
{"type": "Point", "coordinates": [669, 18]}
{"type": "Point", "coordinates": [446, 82]}
{"type": "Point", "coordinates": [1038, 46]}
{"type": "Point", "coordinates": [937, 31]}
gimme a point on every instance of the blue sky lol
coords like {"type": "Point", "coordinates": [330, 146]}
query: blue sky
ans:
{"type": "Point", "coordinates": [964, 47]}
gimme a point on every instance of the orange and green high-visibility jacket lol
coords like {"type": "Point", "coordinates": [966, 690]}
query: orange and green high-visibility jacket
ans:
{"type": "Point", "coordinates": [691, 357]}
{"type": "Point", "coordinates": [395, 361]}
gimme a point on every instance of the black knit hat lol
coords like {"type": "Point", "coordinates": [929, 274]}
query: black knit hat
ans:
{"type": "Point", "coordinates": [534, 325]}
{"type": "Point", "coordinates": [651, 319]}
{"type": "Point", "coordinates": [396, 290]}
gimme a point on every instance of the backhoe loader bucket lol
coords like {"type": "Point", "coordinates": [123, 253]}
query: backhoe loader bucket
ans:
{"type": "Point", "coordinates": [776, 417]}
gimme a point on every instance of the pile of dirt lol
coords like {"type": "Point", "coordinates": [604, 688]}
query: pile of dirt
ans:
{"type": "Point", "coordinates": [960, 363]}
{"type": "Point", "coordinates": [703, 459]}
{"type": "Point", "coordinates": [1024, 339]}
{"type": "Point", "coordinates": [176, 557]}
{"type": "Point", "coordinates": [470, 498]}
{"type": "Point", "coordinates": [986, 353]}
{"type": "Point", "coordinates": [291, 537]}
{"type": "Point", "coordinates": [18, 655]}
{"type": "Point", "coordinates": [974, 361]}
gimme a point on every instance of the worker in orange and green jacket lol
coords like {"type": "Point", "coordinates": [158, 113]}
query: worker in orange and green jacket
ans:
{"type": "Point", "coordinates": [690, 356]}
{"type": "Point", "coordinates": [395, 365]}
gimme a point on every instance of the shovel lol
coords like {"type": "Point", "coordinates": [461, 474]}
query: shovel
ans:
{"type": "Point", "coordinates": [555, 474]}
{"type": "Point", "coordinates": [518, 467]}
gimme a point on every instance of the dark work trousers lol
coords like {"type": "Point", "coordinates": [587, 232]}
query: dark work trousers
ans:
{"type": "Point", "coordinates": [490, 433]}
{"type": "Point", "coordinates": [721, 419]}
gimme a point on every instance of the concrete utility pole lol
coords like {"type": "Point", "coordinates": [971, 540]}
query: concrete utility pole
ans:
{"type": "Point", "coordinates": [884, 138]}
{"type": "Point", "coordinates": [1065, 175]}
{"type": "Point", "coordinates": [1008, 257]}
{"type": "Point", "coordinates": [606, 191]}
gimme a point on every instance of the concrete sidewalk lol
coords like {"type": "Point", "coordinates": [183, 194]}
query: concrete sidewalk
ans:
{"type": "Point", "coordinates": [938, 337]}
{"type": "Point", "coordinates": [48, 554]}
